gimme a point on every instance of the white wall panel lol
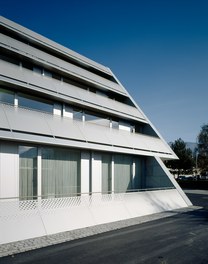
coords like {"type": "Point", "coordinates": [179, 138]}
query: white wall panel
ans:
{"type": "Point", "coordinates": [96, 172]}
{"type": "Point", "coordinates": [68, 90]}
{"type": "Point", "coordinates": [52, 126]}
{"type": "Point", "coordinates": [20, 220]}
{"type": "Point", "coordinates": [9, 170]}
{"type": "Point", "coordinates": [64, 127]}
{"type": "Point", "coordinates": [85, 171]}
{"type": "Point", "coordinates": [119, 107]}
{"type": "Point", "coordinates": [51, 216]}
{"type": "Point", "coordinates": [94, 133]}
{"type": "Point", "coordinates": [26, 120]}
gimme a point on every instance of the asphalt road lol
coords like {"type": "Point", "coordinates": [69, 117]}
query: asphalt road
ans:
{"type": "Point", "coordinates": [180, 239]}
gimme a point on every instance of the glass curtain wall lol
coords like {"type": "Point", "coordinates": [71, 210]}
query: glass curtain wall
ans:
{"type": "Point", "coordinates": [137, 182]}
{"type": "Point", "coordinates": [106, 173]}
{"type": "Point", "coordinates": [60, 172]}
{"type": "Point", "coordinates": [127, 173]}
{"type": "Point", "coordinates": [27, 173]}
{"type": "Point", "coordinates": [123, 181]}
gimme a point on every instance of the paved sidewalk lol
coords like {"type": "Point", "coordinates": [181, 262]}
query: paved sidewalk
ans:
{"type": "Point", "coordinates": [35, 243]}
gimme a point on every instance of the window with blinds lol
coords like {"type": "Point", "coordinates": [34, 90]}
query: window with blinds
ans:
{"type": "Point", "coordinates": [60, 172]}
{"type": "Point", "coordinates": [27, 173]}
{"type": "Point", "coordinates": [106, 173]}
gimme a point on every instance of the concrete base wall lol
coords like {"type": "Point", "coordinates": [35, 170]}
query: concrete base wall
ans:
{"type": "Point", "coordinates": [28, 219]}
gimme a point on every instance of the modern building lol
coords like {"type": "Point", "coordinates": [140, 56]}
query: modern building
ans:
{"type": "Point", "coordinates": [75, 148]}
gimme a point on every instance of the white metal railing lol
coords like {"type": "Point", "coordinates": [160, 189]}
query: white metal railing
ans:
{"type": "Point", "coordinates": [36, 197]}
{"type": "Point", "coordinates": [72, 195]}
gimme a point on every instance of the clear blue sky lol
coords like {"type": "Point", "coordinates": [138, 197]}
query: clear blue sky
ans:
{"type": "Point", "coordinates": [157, 49]}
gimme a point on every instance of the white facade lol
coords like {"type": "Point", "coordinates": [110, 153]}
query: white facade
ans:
{"type": "Point", "coordinates": [75, 149]}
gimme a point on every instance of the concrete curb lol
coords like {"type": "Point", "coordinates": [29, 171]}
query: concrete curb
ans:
{"type": "Point", "coordinates": [45, 241]}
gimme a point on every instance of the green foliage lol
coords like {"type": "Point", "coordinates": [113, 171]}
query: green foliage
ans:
{"type": "Point", "coordinates": [185, 162]}
{"type": "Point", "coordinates": [203, 148]}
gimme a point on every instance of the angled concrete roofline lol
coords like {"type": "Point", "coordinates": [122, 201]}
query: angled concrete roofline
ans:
{"type": "Point", "coordinates": [76, 150]}
{"type": "Point", "coordinates": [174, 156]}
{"type": "Point", "coordinates": [37, 38]}
{"type": "Point", "coordinates": [52, 44]}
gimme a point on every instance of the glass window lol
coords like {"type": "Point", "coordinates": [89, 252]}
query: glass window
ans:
{"type": "Point", "coordinates": [60, 172]}
{"type": "Point", "coordinates": [37, 70]}
{"type": "Point", "coordinates": [155, 177]}
{"type": "Point", "coordinates": [77, 114]}
{"type": "Point", "coordinates": [56, 76]}
{"type": "Point", "coordinates": [68, 111]}
{"type": "Point", "coordinates": [36, 103]}
{"type": "Point", "coordinates": [27, 173]}
{"type": "Point", "coordinates": [27, 65]}
{"type": "Point", "coordinates": [96, 119]}
{"type": "Point", "coordinates": [137, 181]}
{"type": "Point", "coordinates": [102, 93]}
{"type": "Point", "coordinates": [115, 124]}
{"type": "Point", "coordinates": [123, 173]}
{"type": "Point", "coordinates": [47, 73]}
{"type": "Point", "coordinates": [6, 96]}
{"type": "Point", "coordinates": [10, 58]}
{"type": "Point", "coordinates": [106, 173]}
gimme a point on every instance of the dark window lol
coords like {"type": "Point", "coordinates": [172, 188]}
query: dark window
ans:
{"type": "Point", "coordinates": [9, 58]}
{"type": "Point", "coordinates": [97, 119]}
{"type": "Point", "coordinates": [77, 114]}
{"type": "Point", "coordinates": [47, 73]}
{"type": "Point", "coordinates": [37, 70]}
{"type": "Point", "coordinates": [36, 103]}
{"type": "Point", "coordinates": [6, 96]}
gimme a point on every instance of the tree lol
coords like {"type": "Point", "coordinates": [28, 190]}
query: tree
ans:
{"type": "Point", "coordinates": [185, 162]}
{"type": "Point", "coordinates": [203, 148]}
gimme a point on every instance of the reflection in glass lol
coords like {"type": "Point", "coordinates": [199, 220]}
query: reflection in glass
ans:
{"type": "Point", "coordinates": [27, 173]}
{"type": "Point", "coordinates": [36, 103]}
{"type": "Point", "coordinates": [6, 96]}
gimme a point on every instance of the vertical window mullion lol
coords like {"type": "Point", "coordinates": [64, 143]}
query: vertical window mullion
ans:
{"type": "Point", "coordinates": [39, 174]}
{"type": "Point", "coordinates": [15, 100]}
{"type": "Point", "coordinates": [112, 175]}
